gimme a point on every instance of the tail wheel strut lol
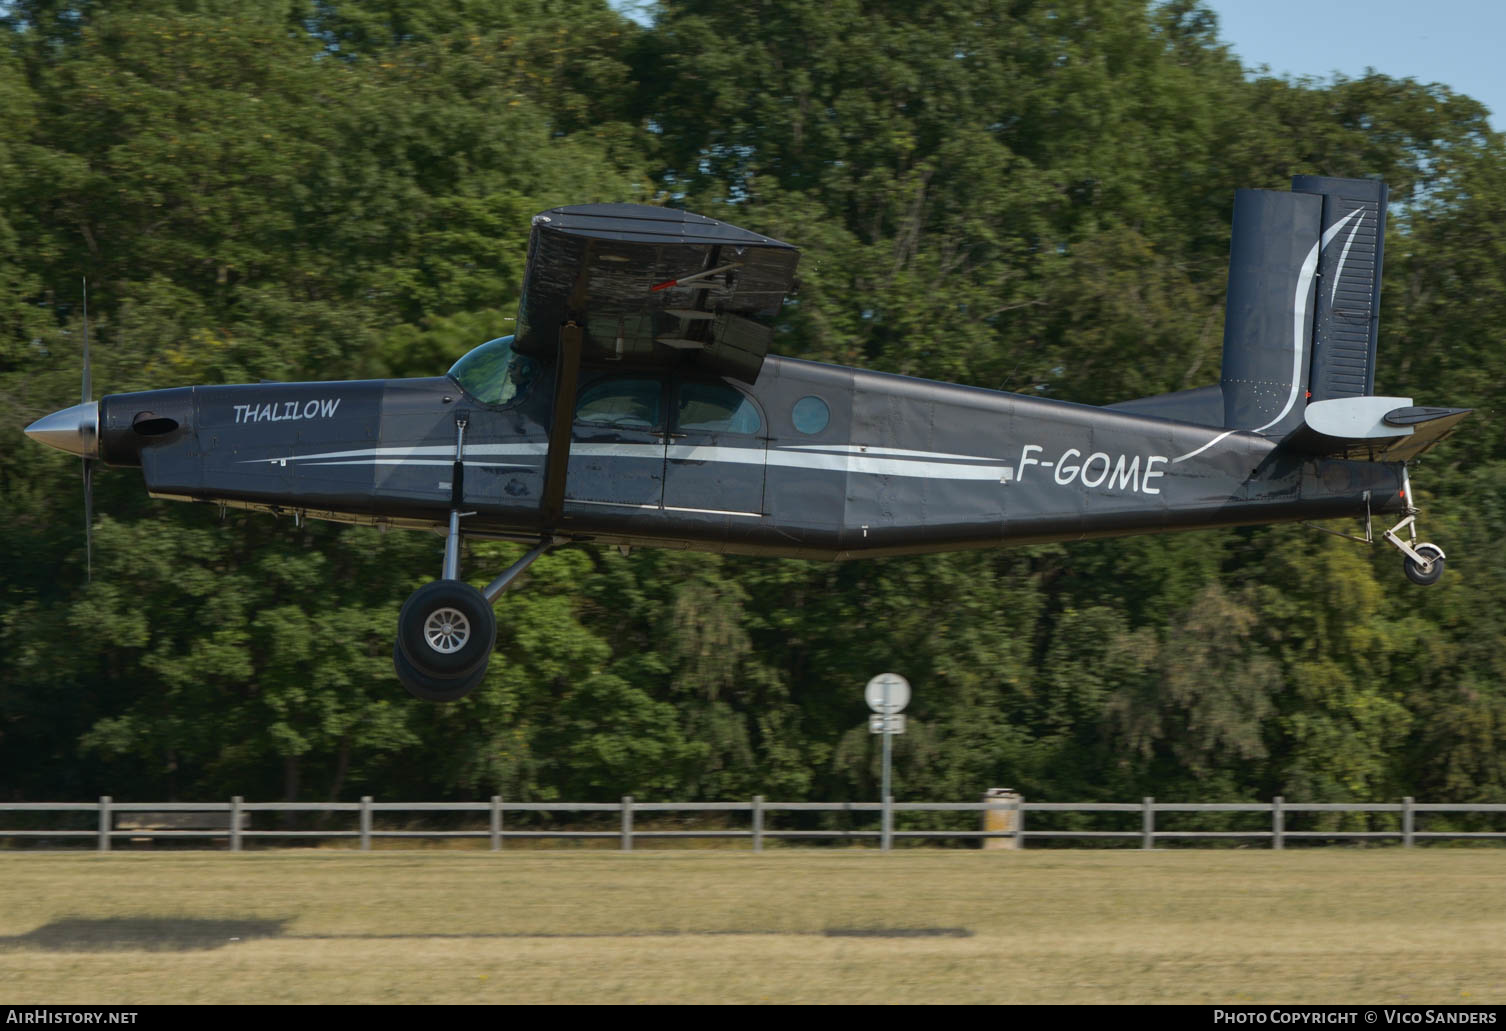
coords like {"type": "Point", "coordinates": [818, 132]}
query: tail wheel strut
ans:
{"type": "Point", "coordinates": [1423, 563]}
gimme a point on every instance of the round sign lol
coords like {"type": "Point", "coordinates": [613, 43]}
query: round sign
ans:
{"type": "Point", "coordinates": [897, 687]}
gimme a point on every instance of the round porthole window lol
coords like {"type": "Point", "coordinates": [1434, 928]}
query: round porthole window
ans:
{"type": "Point", "coordinates": [810, 415]}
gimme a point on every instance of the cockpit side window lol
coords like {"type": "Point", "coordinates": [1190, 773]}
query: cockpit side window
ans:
{"type": "Point", "coordinates": [621, 403]}
{"type": "Point", "coordinates": [716, 408]}
{"type": "Point", "coordinates": [494, 373]}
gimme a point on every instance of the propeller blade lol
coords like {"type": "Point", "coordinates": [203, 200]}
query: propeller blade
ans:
{"type": "Point", "coordinates": [88, 462]}
{"type": "Point", "coordinates": [88, 387]}
{"type": "Point", "coordinates": [89, 518]}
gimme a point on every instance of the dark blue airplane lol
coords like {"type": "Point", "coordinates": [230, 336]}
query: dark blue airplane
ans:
{"type": "Point", "coordinates": [637, 405]}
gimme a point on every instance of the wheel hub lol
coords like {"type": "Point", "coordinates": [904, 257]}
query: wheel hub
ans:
{"type": "Point", "coordinates": [446, 630]}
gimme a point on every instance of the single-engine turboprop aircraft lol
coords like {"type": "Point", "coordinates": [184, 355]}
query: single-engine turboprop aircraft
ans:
{"type": "Point", "coordinates": [637, 405]}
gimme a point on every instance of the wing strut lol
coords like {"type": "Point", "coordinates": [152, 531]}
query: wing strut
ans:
{"type": "Point", "coordinates": [556, 464]}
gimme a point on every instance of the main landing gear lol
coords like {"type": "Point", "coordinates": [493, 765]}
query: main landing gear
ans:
{"type": "Point", "coordinates": [445, 634]}
{"type": "Point", "coordinates": [446, 629]}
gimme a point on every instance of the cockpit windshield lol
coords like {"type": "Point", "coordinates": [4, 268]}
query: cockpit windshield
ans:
{"type": "Point", "coordinates": [494, 373]}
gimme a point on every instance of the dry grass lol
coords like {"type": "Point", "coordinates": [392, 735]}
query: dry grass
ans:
{"type": "Point", "coordinates": [1320, 926]}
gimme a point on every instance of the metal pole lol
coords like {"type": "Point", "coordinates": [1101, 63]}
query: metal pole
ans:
{"type": "Point", "coordinates": [105, 821]}
{"type": "Point", "coordinates": [757, 823]}
{"type": "Point", "coordinates": [452, 548]}
{"type": "Point", "coordinates": [887, 828]}
{"type": "Point", "coordinates": [235, 823]}
{"type": "Point", "coordinates": [365, 823]}
{"type": "Point", "coordinates": [496, 823]}
{"type": "Point", "coordinates": [452, 538]}
{"type": "Point", "coordinates": [627, 823]}
{"type": "Point", "coordinates": [494, 589]}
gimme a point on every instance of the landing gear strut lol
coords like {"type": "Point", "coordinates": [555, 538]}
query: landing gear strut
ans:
{"type": "Point", "coordinates": [447, 628]}
{"type": "Point", "coordinates": [1423, 563]}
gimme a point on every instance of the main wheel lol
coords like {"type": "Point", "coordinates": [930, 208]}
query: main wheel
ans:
{"type": "Point", "coordinates": [446, 629]}
{"type": "Point", "coordinates": [431, 688]}
{"type": "Point", "coordinates": [1430, 573]}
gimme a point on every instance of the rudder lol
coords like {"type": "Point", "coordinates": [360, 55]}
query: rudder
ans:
{"type": "Point", "coordinates": [1346, 323]}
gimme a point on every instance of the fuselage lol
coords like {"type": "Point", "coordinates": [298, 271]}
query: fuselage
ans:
{"type": "Point", "coordinates": [812, 461]}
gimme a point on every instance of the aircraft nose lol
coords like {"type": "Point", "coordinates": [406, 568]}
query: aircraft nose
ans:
{"type": "Point", "coordinates": [74, 430]}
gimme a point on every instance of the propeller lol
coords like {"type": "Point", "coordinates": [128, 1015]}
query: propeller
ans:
{"type": "Point", "coordinates": [76, 431]}
{"type": "Point", "coordinates": [88, 462]}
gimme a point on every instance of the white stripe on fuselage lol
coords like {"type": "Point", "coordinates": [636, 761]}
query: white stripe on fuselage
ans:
{"type": "Point", "coordinates": [417, 461]}
{"type": "Point", "coordinates": [853, 458]}
{"type": "Point", "coordinates": [868, 449]}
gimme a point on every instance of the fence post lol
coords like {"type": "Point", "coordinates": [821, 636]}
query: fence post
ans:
{"type": "Point", "coordinates": [496, 823]}
{"type": "Point", "coordinates": [757, 823]}
{"type": "Point", "coordinates": [1148, 822]}
{"type": "Point", "coordinates": [365, 823]}
{"type": "Point", "coordinates": [105, 822]}
{"type": "Point", "coordinates": [1278, 824]}
{"type": "Point", "coordinates": [1019, 821]}
{"type": "Point", "coordinates": [627, 823]}
{"type": "Point", "coordinates": [235, 822]}
{"type": "Point", "coordinates": [1407, 817]}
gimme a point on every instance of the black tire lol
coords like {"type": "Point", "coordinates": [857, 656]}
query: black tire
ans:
{"type": "Point", "coordinates": [446, 629]}
{"type": "Point", "coordinates": [1429, 575]}
{"type": "Point", "coordinates": [435, 689]}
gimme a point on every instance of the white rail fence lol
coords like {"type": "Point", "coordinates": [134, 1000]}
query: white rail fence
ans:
{"type": "Point", "coordinates": [231, 820]}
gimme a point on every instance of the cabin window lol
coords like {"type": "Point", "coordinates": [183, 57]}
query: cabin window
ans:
{"type": "Point", "coordinates": [810, 415]}
{"type": "Point", "coordinates": [494, 373]}
{"type": "Point", "coordinates": [621, 403]}
{"type": "Point", "coordinates": [716, 408]}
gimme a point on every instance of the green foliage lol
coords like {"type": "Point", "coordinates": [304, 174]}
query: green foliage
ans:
{"type": "Point", "coordinates": [1028, 196]}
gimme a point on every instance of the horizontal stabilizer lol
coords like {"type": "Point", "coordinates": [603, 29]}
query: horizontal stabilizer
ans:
{"type": "Point", "coordinates": [1373, 429]}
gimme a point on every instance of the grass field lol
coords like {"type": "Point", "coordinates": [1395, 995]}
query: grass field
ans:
{"type": "Point", "coordinates": [1318, 926]}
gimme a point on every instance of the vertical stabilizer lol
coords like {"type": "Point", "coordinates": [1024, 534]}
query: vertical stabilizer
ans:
{"type": "Point", "coordinates": [1347, 316]}
{"type": "Point", "coordinates": [1273, 265]}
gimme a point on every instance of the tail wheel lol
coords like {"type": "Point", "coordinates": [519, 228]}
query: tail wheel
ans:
{"type": "Point", "coordinates": [431, 688]}
{"type": "Point", "coordinates": [1429, 573]}
{"type": "Point", "coordinates": [446, 629]}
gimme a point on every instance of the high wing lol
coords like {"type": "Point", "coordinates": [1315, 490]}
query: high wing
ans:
{"type": "Point", "coordinates": [652, 287]}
